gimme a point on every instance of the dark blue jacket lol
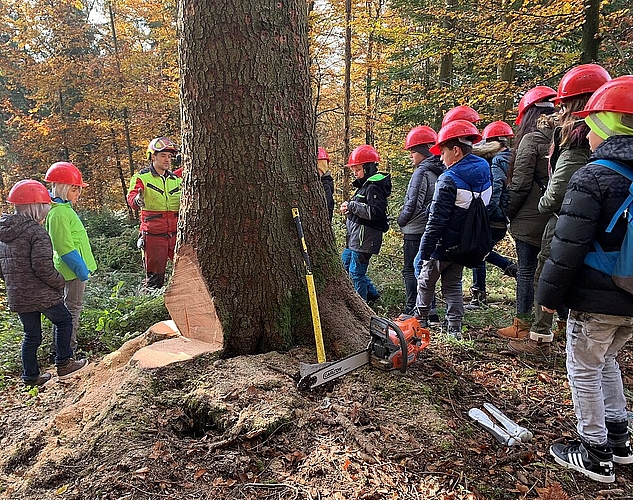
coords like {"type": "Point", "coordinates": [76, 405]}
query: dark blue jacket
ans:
{"type": "Point", "coordinates": [499, 199]}
{"type": "Point", "coordinates": [453, 194]}
{"type": "Point", "coordinates": [593, 195]}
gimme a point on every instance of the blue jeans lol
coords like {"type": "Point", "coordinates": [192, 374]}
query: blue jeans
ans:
{"type": "Point", "coordinates": [595, 380]}
{"type": "Point", "coordinates": [32, 322]}
{"type": "Point", "coordinates": [527, 260]}
{"type": "Point", "coordinates": [356, 264]}
{"type": "Point", "coordinates": [479, 272]}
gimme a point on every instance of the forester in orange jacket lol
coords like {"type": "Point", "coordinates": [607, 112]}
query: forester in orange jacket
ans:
{"type": "Point", "coordinates": [155, 190]}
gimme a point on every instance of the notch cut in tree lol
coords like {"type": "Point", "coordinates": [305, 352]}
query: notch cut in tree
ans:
{"type": "Point", "coordinates": [250, 156]}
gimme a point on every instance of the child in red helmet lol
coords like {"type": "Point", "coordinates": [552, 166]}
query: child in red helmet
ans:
{"type": "Point", "coordinates": [33, 285]}
{"type": "Point", "coordinates": [72, 253]}
{"type": "Point", "coordinates": [366, 222]}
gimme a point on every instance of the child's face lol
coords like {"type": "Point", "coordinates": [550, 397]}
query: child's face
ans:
{"type": "Point", "coordinates": [73, 194]}
{"type": "Point", "coordinates": [594, 140]}
{"type": "Point", "coordinates": [450, 156]}
{"type": "Point", "coordinates": [358, 171]}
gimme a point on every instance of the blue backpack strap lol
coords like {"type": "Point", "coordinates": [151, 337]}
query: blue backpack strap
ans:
{"type": "Point", "coordinates": [616, 166]}
{"type": "Point", "coordinates": [627, 172]}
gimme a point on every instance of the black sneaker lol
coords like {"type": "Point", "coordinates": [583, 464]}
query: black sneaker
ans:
{"type": "Point", "coordinates": [41, 380]}
{"type": "Point", "coordinates": [423, 320]}
{"type": "Point", "coordinates": [434, 320]}
{"type": "Point", "coordinates": [619, 440]}
{"type": "Point", "coordinates": [455, 331]}
{"type": "Point", "coordinates": [70, 368]}
{"type": "Point", "coordinates": [592, 462]}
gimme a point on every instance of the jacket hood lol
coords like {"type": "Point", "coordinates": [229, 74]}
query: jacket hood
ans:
{"type": "Point", "coordinates": [433, 164]}
{"type": "Point", "coordinates": [379, 179]}
{"type": "Point", "coordinates": [617, 147]}
{"type": "Point", "coordinates": [13, 225]}
{"type": "Point", "coordinates": [487, 150]}
{"type": "Point", "coordinates": [473, 170]}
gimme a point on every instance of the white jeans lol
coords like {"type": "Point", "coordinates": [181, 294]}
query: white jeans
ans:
{"type": "Point", "coordinates": [593, 341]}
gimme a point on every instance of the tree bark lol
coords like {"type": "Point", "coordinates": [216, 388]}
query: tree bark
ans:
{"type": "Point", "coordinates": [250, 157]}
{"type": "Point", "coordinates": [590, 37]}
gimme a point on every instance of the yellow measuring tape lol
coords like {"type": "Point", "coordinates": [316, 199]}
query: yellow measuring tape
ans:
{"type": "Point", "coordinates": [316, 320]}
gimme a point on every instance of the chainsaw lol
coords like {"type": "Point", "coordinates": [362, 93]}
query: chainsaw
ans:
{"type": "Point", "coordinates": [393, 345]}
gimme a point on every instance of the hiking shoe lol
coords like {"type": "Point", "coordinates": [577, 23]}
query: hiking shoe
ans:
{"type": "Point", "coordinates": [423, 320]}
{"type": "Point", "coordinates": [590, 461]}
{"type": "Point", "coordinates": [41, 380]}
{"type": "Point", "coordinates": [434, 320]}
{"type": "Point", "coordinates": [477, 301]}
{"type": "Point", "coordinates": [455, 331]}
{"type": "Point", "coordinates": [531, 347]}
{"type": "Point", "coordinates": [511, 270]}
{"type": "Point", "coordinates": [619, 440]}
{"type": "Point", "coordinates": [70, 368]}
{"type": "Point", "coordinates": [519, 330]}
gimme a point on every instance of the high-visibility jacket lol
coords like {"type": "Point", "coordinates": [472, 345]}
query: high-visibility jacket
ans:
{"type": "Point", "coordinates": [161, 194]}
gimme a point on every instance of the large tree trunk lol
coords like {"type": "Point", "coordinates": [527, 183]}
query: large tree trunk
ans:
{"type": "Point", "coordinates": [590, 32]}
{"type": "Point", "coordinates": [249, 157]}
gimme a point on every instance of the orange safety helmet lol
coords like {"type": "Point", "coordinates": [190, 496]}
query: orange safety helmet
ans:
{"type": "Point", "coordinates": [28, 191]}
{"type": "Point", "coordinates": [616, 96]}
{"type": "Point", "coordinates": [536, 94]}
{"type": "Point", "coordinates": [453, 130]}
{"type": "Point", "coordinates": [461, 113]}
{"type": "Point", "coordinates": [583, 79]}
{"type": "Point", "coordinates": [420, 135]}
{"type": "Point", "coordinates": [322, 154]}
{"type": "Point", "coordinates": [64, 172]}
{"type": "Point", "coordinates": [159, 145]}
{"type": "Point", "coordinates": [363, 154]}
{"type": "Point", "coordinates": [497, 129]}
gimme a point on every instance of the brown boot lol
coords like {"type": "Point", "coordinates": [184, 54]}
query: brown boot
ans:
{"type": "Point", "coordinates": [519, 330]}
{"type": "Point", "coordinates": [531, 347]}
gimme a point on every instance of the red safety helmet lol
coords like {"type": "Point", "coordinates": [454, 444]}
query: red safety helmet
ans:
{"type": "Point", "coordinates": [159, 145]}
{"type": "Point", "coordinates": [539, 93]}
{"type": "Point", "coordinates": [616, 95]}
{"type": "Point", "coordinates": [583, 79]}
{"type": "Point", "coordinates": [497, 129]}
{"type": "Point", "coordinates": [363, 154]}
{"type": "Point", "coordinates": [453, 130]}
{"type": "Point", "coordinates": [420, 135]}
{"type": "Point", "coordinates": [461, 113]}
{"type": "Point", "coordinates": [28, 191]}
{"type": "Point", "coordinates": [322, 154]}
{"type": "Point", "coordinates": [64, 172]}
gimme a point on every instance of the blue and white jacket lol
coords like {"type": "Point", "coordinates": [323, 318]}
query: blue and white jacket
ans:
{"type": "Point", "coordinates": [453, 194]}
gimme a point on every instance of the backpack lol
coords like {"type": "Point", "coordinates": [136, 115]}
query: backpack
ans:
{"type": "Point", "coordinates": [475, 236]}
{"type": "Point", "coordinates": [618, 264]}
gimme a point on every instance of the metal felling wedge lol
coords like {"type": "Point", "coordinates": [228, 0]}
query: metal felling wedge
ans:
{"type": "Point", "coordinates": [498, 432]}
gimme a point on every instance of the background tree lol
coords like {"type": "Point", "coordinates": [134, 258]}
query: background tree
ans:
{"type": "Point", "coordinates": [250, 149]}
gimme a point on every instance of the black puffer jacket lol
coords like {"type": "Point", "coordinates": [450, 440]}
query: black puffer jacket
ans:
{"type": "Point", "coordinates": [593, 196]}
{"type": "Point", "coordinates": [26, 265]}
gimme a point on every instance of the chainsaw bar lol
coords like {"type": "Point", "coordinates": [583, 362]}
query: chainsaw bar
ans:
{"type": "Point", "coordinates": [324, 372]}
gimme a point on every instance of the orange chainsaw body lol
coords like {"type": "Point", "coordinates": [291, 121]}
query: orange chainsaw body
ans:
{"type": "Point", "coordinates": [386, 342]}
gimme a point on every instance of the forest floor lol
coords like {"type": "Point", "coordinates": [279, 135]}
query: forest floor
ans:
{"type": "Point", "coordinates": [239, 428]}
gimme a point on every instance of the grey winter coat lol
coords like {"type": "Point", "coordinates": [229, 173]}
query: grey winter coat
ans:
{"type": "Point", "coordinates": [415, 211]}
{"type": "Point", "coordinates": [528, 175]}
{"type": "Point", "coordinates": [26, 265]}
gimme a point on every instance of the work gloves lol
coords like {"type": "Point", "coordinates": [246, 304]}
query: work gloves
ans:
{"type": "Point", "coordinates": [138, 199]}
